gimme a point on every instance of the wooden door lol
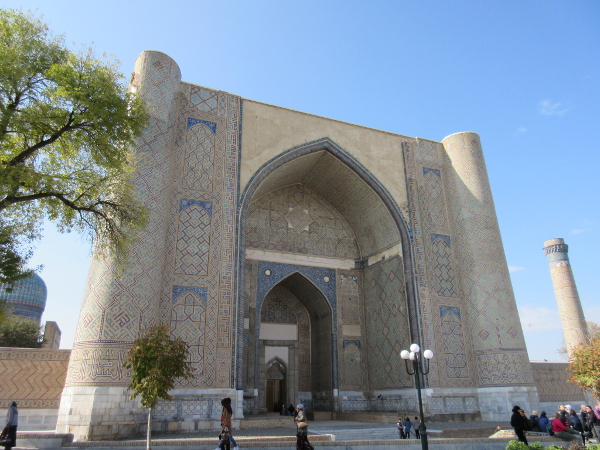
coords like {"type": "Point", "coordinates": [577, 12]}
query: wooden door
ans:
{"type": "Point", "coordinates": [271, 395]}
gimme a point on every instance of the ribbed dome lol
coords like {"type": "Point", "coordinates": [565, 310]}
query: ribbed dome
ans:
{"type": "Point", "coordinates": [28, 297]}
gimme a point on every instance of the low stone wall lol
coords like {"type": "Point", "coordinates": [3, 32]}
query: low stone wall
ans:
{"type": "Point", "coordinates": [48, 441]}
{"type": "Point", "coordinates": [34, 378]}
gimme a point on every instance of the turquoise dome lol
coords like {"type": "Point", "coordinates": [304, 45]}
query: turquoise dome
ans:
{"type": "Point", "coordinates": [28, 297]}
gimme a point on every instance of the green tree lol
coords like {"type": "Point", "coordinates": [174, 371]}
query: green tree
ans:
{"type": "Point", "coordinates": [19, 332]}
{"type": "Point", "coordinates": [67, 124]}
{"type": "Point", "coordinates": [585, 366]}
{"type": "Point", "coordinates": [12, 258]}
{"type": "Point", "coordinates": [156, 361]}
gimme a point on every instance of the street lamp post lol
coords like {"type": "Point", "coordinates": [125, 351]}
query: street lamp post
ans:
{"type": "Point", "coordinates": [419, 368]}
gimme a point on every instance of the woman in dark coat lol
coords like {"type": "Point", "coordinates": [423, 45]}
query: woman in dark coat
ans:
{"type": "Point", "coordinates": [12, 421]}
{"type": "Point", "coordinates": [516, 421]}
{"type": "Point", "coordinates": [302, 431]}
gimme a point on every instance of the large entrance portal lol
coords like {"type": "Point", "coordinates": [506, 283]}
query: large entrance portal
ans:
{"type": "Point", "coordinates": [324, 283]}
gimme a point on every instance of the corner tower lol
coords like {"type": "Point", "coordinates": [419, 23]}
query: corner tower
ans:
{"type": "Point", "coordinates": [504, 372]}
{"type": "Point", "coordinates": [567, 297]}
{"type": "Point", "coordinates": [117, 305]}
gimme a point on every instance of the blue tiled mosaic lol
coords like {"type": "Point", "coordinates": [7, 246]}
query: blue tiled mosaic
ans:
{"type": "Point", "coordinates": [178, 290]}
{"type": "Point", "coordinates": [211, 125]}
{"type": "Point", "coordinates": [184, 203]}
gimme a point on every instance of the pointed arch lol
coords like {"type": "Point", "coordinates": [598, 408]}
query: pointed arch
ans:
{"type": "Point", "coordinates": [341, 155]}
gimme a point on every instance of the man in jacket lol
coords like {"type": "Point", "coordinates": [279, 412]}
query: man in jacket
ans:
{"type": "Point", "coordinates": [12, 421]}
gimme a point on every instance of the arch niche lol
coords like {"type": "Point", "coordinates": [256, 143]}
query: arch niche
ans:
{"type": "Point", "coordinates": [306, 216]}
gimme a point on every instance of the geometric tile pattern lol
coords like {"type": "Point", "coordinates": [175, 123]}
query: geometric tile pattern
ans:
{"type": "Point", "coordinates": [426, 150]}
{"type": "Point", "coordinates": [276, 310]}
{"type": "Point", "coordinates": [199, 154]}
{"type": "Point", "coordinates": [34, 378]}
{"type": "Point", "coordinates": [200, 243]}
{"type": "Point", "coordinates": [552, 382]}
{"type": "Point", "coordinates": [432, 199]}
{"type": "Point", "coordinates": [295, 219]}
{"type": "Point", "coordinates": [453, 342]}
{"type": "Point", "coordinates": [353, 364]}
{"type": "Point", "coordinates": [387, 324]}
{"type": "Point", "coordinates": [351, 373]}
{"type": "Point", "coordinates": [193, 239]}
{"type": "Point", "coordinates": [204, 99]}
{"type": "Point", "coordinates": [349, 297]}
{"type": "Point", "coordinates": [440, 266]}
{"type": "Point", "coordinates": [188, 318]}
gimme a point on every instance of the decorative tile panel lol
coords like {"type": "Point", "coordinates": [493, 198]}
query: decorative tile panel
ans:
{"type": "Point", "coordinates": [199, 155]}
{"type": "Point", "coordinates": [432, 199]}
{"type": "Point", "coordinates": [387, 324]}
{"type": "Point", "coordinates": [277, 311]}
{"type": "Point", "coordinates": [453, 342]}
{"type": "Point", "coordinates": [442, 273]}
{"type": "Point", "coordinates": [188, 319]}
{"type": "Point", "coordinates": [295, 219]}
{"type": "Point", "coordinates": [193, 237]}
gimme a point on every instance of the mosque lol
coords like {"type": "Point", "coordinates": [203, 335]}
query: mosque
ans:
{"type": "Point", "coordinates": [27, 299]}
{"type": "Point", "coordinates": [298, 256]}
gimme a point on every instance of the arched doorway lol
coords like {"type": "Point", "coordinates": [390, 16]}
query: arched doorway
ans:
{"type": "Point", "coordinates": [295, 326]}
{"type": "Point", "coordinates": [313, 216]}
{"type": "Point", "coordinates": [275, 385]}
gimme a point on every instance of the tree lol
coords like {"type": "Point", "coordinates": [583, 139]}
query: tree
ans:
{"type": "Point", "coordinates": [67, 124]}
{"type": "Point", "coordinates": [19, 332]}
{"type": "Point", "coordinates": [593, 330]}
{"type": "Point", "coordinates": [12, 258]}
{"type": "Point", "coordinates": [585, 366]}
{"type": "Point", "coordinates": [156, 361]}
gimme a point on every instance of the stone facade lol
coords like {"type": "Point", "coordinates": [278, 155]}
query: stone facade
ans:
{"type": "Point", "coordinates": [298, 255]}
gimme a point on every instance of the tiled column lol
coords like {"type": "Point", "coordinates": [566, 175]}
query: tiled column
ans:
{"type": "Point", "coordinates": [565, 289]}
{"type": "Point", "coordinates": [117, 304]}
{"type": "Point", "coordinates": [499, 346]}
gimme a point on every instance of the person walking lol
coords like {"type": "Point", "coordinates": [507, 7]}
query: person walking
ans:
{"type": "Point", "coordinates": [416, 424]}
{"type": "Point", "coordinates": [302, 430]}
{"type": "Point", "coordinates": [291, 410]}
{"type": "Point", "coordinates": [226, 415]}
{"type": "Point", "coordinates": [10, 430]}
{"type": "Point", "coordinates": [516, 421]}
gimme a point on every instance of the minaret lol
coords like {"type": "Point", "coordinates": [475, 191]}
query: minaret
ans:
{"type": "Point", "coordinates": [567, 298]}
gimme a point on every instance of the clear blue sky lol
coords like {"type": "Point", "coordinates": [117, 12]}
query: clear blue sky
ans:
{"type": "Point", "coordinates": [525, 75]}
